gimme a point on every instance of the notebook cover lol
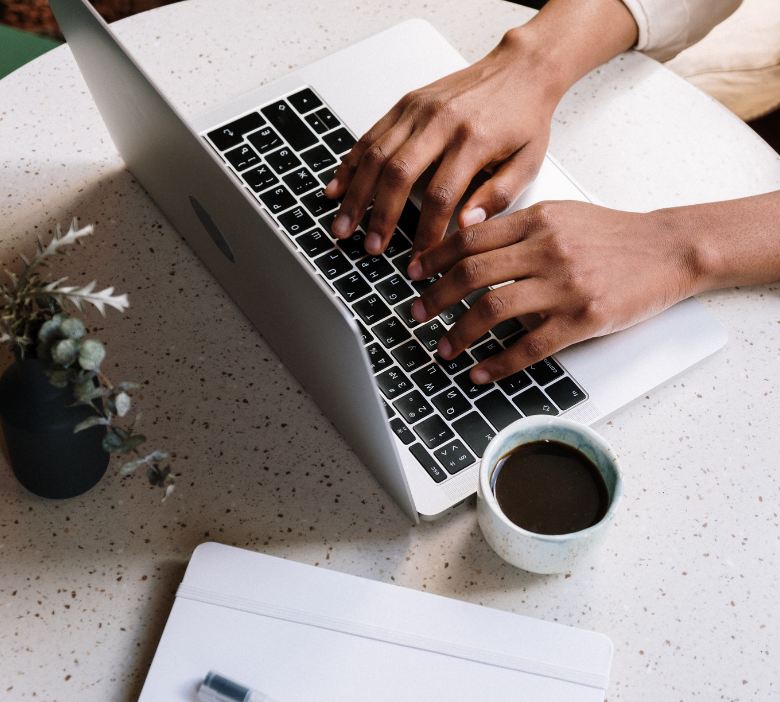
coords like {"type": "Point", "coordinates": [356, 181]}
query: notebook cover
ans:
{"type": "Point", "coordinates": [302, 633]}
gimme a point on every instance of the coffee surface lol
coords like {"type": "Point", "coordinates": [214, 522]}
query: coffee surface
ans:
{"type": "Point", "coordinates": [550, 488]}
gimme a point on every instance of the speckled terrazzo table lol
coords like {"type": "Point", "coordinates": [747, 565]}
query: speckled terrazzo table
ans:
{"type": "Point", "coordinates": [687, 584]}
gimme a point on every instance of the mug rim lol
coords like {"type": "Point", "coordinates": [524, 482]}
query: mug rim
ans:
{"type": "Point", "coordinates": [486, 468]}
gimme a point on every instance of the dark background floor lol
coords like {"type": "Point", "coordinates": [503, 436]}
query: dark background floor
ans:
{"type": "Point", "coordinates": [36, 16]}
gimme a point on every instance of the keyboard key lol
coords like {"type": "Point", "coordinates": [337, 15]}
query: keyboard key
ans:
{"type": "Point", "coordinates": [260, 178]}
{"type": "Point", "coordinates": [454, 456]}
{"type": "Point", "coordinates": [512, 339]}
{"type": "Point", "coordinates": [389, 410]}
{"type": "Point", "coordinates": [305, 101]}
{"type": "Point", "coordinates": [374, 268]}
{"type": "Point", "coordinates": [534, 401]}
{"type": "Point", "coordinates": [394, 289]}
{"type": "Point", "coordinates": [430, 333]}
{"type": "Point", "coordinates": [471, 390]}
{"type": "Point", "coordinates": [232, 134]}
{"type": "Point", "coordinates": [364, 333]}
{"type": "Point", "coordinates": [475, 431]}
{"type": "Point", "coordinates": [398, 244]}
{"type": "Point", "coordinates": [339, 141]}
{"type": "Point", "coordinates": [289, 125]}
{"type": "Point", "coordinates": [402, 264]}
{"type": "Point", "coordinates": [318, 204]}
{"type": "Point", "coordinates": [352, 286]}
{"type": "Point", "coordinates": [565, 393]}
{"type": "Point", "coordinates": [411, 355]}
{"type": "Point", "coordinates": [422, 285]}
{"type": "Point", "coordinates": [431, 467]}
{"type": "Point", "coordinates": [371, 309]}
{"type": "Point", "coordinates": [402, 431]}
{"type": "Point", "coordinates": [353, 246]}
{"type": "Point", "coordinates": [379, 359]}
{"type": "Point", "coordinates": [457, 364]}
{"type": "Point", "coordinates": [318, 158]}
{"type": "Point", "coordinates": [283, 160]}
{"type": "Point", "coordinates": [499, 411]}
{"type": "Point", "coordinates": [482, 338]}
{"type": "Point", "coordinates": [451, 403]}
{"type": "Point", "coordinates": [545, 371]}
{"type": "Point", "coordinates": [390, 332]}
{"type": "Point", "coordinates": [265, 140]}
{"type": "Point", "coordinates": [296, 221]}
{"type": "Point", "coordinates": [393, 383]}
{"type": "Point", "coordinates": [327, 118]}
{"type": "Point", "coordinates": [242, 157]}
{"type": "Point", "coordinates": [315, 242]}
{"type": "Point", "coordinates": [409, 219]}
{"type": "Point", "coordinates": [431, 379]}
{"type": "Point", "coordinates": [412, 407]}
{"type": "Point", "coordinates": [404, 311]}
{"type": "Point", "coordinates": [278, 199]}
{"type": "Point", "coordinates": [301, 181]}
{"type": "Point", "coordinates": [433, 431]}
{"type": "Point", "coordinates": [327, 176]}
{"type": "Point", "coordinates": [515, 383]}
{"type": "Point", "coordinates": [327, 221]}
{"type": "Point", "coordinates": [491, 348]}
{"type": "Point", "coordinates": [365, 219]}
{"type": "Point", "coordinates": [453, 314]}
{"type": "Point", "coordinates": [333, 264]}
{"type": "Point", "coordinates": [471, 298]}
{"type": "Point", "coordinates": [507, 327]}
{"type": "Point", "coordinates": [316, 123]}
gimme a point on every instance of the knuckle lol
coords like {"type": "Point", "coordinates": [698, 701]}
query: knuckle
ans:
{"type": "Point", "coordinates": [466, 241]}
{"type": "Point", "coordinates": [492, 306]}
{"type": "Point", "coordinates": [542, 216]}
{"type": "Point", "coordinates": [439, 197]}
{"type": "Point", "coordinates": [375, 156]}
{"type": "Point", "coordinates": [536, 347]}
{"type": "Point", "coordinates": [467, 272]}
{"type": "Point", "coordinates": [398, 172]}
{"type": "Point", "coordinates": [501, 198]}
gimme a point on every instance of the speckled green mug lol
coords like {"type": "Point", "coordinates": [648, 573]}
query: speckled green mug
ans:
{"type": "Point", "coordinates": [543, 553]}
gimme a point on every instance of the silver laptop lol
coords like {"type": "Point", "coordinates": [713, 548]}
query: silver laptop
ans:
{"type": "Point", "coordinates": [243, 185]}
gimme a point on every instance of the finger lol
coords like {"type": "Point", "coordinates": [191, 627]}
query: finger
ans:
{"type": "Point", "coordinates": [508, 181]}
{"type": "Point", "coordinates": [364, 183]}
{"type": "Point", "coordinates": [349, 164]}
{"type": "Point", "coordinates": [493, 307]}
{"type": "Point", "coordinates": [395, 184]}
{"type": "Point", "coordinates": [550, 337]}
{"type": "Point", "coordinates": [442, 196]}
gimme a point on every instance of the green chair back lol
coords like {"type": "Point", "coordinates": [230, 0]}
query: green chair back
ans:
{"type": "Point", "coordinates": [17, 48]}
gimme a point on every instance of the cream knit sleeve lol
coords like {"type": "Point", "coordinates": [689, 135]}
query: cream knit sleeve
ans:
{"type": "Point", "coordinates": [666, 27]}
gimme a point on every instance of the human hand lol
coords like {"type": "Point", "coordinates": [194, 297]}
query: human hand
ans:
{"type": "Point", "coordinates": [587, 270]}
{"type": "Point", "coordinates": [494, 115]}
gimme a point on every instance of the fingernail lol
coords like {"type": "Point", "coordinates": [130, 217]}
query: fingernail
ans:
{"type": "Point", "coordinates": [415, 270]}
{"type": "Point", "coordinates": [480, 376]}
{"type": "Point", "coordinates": [474, 216]}
{"type": "Point", "coordinates": [373, 243]}
{"type": "Point", "coordinates": [445, 348]}
{"type": "Point", "coordinates": [340, 226]}
{"type": "Point", "coordinates": [418, 310]}
{"type": "Point", "coordinates": [331, 187]}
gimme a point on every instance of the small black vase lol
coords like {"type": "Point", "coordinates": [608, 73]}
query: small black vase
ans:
{"type": "Point", "coordinates": [46, 456]}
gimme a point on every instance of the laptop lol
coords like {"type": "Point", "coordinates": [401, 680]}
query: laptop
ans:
{"type": "Point", "coordinates": [243, 185]}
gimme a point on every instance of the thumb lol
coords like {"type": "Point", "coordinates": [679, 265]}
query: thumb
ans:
{"type": "Point", "coordinates": [497, 193]}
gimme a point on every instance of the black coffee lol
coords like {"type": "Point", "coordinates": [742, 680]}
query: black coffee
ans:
{"type": "Point", "coordinates": [550, 488]}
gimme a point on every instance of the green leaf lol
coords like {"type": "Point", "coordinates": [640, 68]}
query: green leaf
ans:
{"type": "Point", "coordinates": [122, 401]}
{"type": "Point", "coordinates": [89, 423]}
{"type": "Point", "coordinates": [90, 393]}
{"type": "Point", "coordinates": [132, 443]}
{"type": "Point", "coordinates": [130, 466]}
{"type": "Point", "coordinates": [168, 492]}
{"type": "Point", "coordinates": [73, 329]}
{"type": "Point", "coordinates": [91, 354]}
{"type": "Point", "coordinates": [51, 330]}
{"type": "Point", "coordinates": [111, 442]}
{"type": "Point", "coordinates": [60, 377]}
{"type": "Point", "coordinates": [122, 433]}
{"type": "Point", "coordinates": [128, 386]}
{"type": "Point", "coordinates": [66, 352]}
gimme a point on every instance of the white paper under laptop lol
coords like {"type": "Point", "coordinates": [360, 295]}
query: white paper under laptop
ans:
{"type": "Point", "coordinates": [288, 297]}
{"type": "Point", "coordinates": [300, 633]}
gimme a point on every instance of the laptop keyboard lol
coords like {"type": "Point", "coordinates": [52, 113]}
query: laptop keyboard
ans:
{"type": "Point", "coordinates": [285, 153]}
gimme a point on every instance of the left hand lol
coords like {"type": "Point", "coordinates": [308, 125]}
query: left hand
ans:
{"type": "Point", "coordinates": [587, 270]}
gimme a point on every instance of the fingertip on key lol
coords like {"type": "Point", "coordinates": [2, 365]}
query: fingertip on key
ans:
{"type": "Point", "coordinates": [373, 243]}
{"type": "Point", "coordinates": [418, 310]}
{"type": "Point", "coordinates": [480, 376]}
{"type": "Point", "coordinates": [340, 226]}
{"type": "Point", "coordinates": [332, 188]}
{"type": "Point", "coordinates": [445, 348]}
{"type": "Point", "coordinates": [415, 270]}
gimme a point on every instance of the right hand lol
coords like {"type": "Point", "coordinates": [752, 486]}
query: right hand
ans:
{"type": "Point", "coordinates": [494, 115]}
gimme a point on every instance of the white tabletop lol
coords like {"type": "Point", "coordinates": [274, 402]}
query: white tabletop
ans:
{"type": "Point", "coordinates": [686, 585]}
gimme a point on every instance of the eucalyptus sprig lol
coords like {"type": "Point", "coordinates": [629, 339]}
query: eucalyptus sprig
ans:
{"type": "Point", "coordinates": [32, 318]}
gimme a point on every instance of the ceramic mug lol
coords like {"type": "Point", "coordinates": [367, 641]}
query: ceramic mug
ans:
{"type": "Point", "coordinates": [545, 553]}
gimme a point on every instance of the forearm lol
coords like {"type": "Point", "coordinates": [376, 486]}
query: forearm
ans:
{"type": "Point", "coordinates": [726, 244]}
{"type": "Point", "coordinates": [569, 38]}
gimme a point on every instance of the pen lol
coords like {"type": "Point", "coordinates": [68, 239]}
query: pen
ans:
{"type": "Point", "coordinates": [218, 688]}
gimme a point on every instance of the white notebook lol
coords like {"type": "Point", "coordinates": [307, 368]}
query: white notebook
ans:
{"type": "Point", "coordinates": [303, 634]}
